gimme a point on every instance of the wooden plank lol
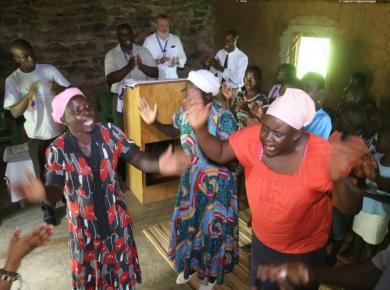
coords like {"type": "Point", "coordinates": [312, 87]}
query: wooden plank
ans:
{"type": "Point", "coordinates": [168, 97]}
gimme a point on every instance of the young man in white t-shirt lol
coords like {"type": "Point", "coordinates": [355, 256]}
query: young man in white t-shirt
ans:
{"type": "Point", "coordinates": [28, 92]}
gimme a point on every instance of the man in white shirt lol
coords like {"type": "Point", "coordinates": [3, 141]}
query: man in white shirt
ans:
{"type": "Point", "coordinates": [230, 63]}
{"type": "Point", "coordinates": [166, 49]}
{"type": "Point", "coordinates": [126, 61]}
{"type": "Point", "coordinates": [29, 92]}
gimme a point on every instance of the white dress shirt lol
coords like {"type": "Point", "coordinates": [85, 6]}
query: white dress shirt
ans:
{"type": "Point", "coordinates": [116, 59]}
{"type": "Point", "coordinates": [170, 47]}
{"type": "Point", "coordinates": [236, 66]}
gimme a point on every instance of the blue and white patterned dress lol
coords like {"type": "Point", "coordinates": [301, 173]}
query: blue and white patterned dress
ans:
{"type": "Point", "coordinates": [204, 235]}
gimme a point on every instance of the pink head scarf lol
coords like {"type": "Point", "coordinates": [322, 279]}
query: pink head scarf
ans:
{"type": "Point", "coordinates": [295, 107]}
{"type": "Point", "coordinates": [61, 100]}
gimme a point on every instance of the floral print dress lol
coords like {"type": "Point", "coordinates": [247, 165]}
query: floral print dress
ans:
{"type": "Point", "coordinates": [204, 236]}
{"type": "Point", "coordinates": [103, 253]}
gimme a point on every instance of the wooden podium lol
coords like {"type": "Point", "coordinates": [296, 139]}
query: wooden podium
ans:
{"type": "Point", "coordinates": [168, 96]}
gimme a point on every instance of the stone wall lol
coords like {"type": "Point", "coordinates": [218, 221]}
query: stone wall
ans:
{"type": "Point", "coordinates": [74, 35]}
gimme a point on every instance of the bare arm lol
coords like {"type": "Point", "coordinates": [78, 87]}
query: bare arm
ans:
{"type": "Point", "coordinates": [54, 193]}
{"type": "Point", "coordinates": [148, 70]}
{"type": "Point", "coordinates": [346, 197]}
{"type": "Point", "coordinates": [361, 275]}
{"type": "Point", "coordinates": [197, 112]}
{"type": "Point", "coordinates": [18, 109]}
{"type": "Point", "coordinates": [145, 162]}
{"type": "Point", "coordinates": [379, 197]}
{"type": "Point", "coordinates": [169, 163]}
{"type": "Point", "coordinates": [166, 129]}
{"type": "Point", "coordinates": [383, 183]}
{"type": "Point", "coordinates": [117, 76]}
{"type": "Point", "coordinates": [217, 150]}
{"type": "Point", "coordinates": [19, 247]}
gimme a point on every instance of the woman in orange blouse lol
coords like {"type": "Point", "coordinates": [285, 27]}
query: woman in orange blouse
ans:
{"type": "Point", "coordinates": [288, 176]}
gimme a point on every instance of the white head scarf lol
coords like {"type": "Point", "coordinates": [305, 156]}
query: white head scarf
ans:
{"type": "Point", "coordinates": [295, 107]}
{"type": "Point", "coordinates": [205, 81]}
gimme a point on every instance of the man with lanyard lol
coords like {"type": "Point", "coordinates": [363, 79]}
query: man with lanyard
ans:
{"type": "Point", "coordinates": [29, 91]}
{"type": "Point", "coordinates": [166, 49]}
{"type": "Point", "coordinates": [230, 63]}
{"type": "Point", "coordinates": [126, 61]}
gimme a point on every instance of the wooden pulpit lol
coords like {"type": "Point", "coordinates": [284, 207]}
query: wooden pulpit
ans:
{"type": "Point", "coordinates": [168, 95]}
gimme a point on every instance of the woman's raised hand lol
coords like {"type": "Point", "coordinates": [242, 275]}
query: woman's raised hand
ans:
{"type": "Point", "coordinates": [227, 91]}
{"type": "Point", "coordinates": [147, 114]}
{"type": "Point", "coordinates": [350, 154]}
{"type": "Point", "coordinates": [19, 246]}
{"type": "Point", "coordinates": [32, 188]}
{"type": "Point", "coordinates": [285, 275]}
{"type": "Point", "coordinates": [197, 111]}
{"type": "Point", "coordinates": [256, 110]}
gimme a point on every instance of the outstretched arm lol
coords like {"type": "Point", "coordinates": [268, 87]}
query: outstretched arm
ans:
{"type": "Point", "coordinates": [197, 112]}
{"type": "Point", "coordinates": [346, 156]}
{"type": "Point", "coordinates": [19, 247]}
{"type": "Point", "coordinates": [169, 163]}
{"type": "Point", "coordinates": [362, 275]}
{"type": "Point", "coordinates": [347, 197]}
{"type": "Point", "coordinates": [35, 192]}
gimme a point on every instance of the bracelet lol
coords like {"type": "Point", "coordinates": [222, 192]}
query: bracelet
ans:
{"type": "Point", "coordinates": [9, 276]}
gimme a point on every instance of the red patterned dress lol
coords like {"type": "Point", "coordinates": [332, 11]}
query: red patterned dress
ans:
{"type": "Point", "coordinates": [103, 253]}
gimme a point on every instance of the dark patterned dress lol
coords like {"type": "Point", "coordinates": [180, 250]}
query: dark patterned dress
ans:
{"type": "Point", "coordinates": [240, 114]}
{"type": "Point", "coordinates": [204, 236]}
{"type": "Point", "coordinates": [103, 253]}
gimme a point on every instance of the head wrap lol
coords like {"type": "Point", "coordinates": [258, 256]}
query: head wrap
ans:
{"type": "Point", "coordinates": [61, 100]}
{"type": "Point", "coordinates": [295, 107]}
{"type": "Point", "coordinates": [205, 81]}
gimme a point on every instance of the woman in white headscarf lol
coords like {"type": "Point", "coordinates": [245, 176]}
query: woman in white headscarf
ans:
{"type": "Point", "coordinates": [288, 176]}
{"type": "Point", "coordinates": [204, 237]}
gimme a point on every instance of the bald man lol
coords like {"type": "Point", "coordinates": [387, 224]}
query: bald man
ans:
{"type": "Point", "coordinates": [29, 92]}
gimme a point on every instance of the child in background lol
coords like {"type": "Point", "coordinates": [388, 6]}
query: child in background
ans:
{"type": "Point", "coordinates": [286, 77]}
{"type": "Point", "coordinates": [375, 122]}
{"type": "Point", "coordinates": [248, 103]}
{"type": "Point", "coordinates": [371, 224]}
{"type": "Point", "coordinates": [314, 85]}
{"type": "Point", "coordinates": [349, 121]}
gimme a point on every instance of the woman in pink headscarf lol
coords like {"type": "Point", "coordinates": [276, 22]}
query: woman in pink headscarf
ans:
{"type": "Point", "coordinates": [288, 175]}
{"type": "Point", "coordinates": [81, 164]}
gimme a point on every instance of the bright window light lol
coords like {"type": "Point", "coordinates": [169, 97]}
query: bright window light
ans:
{"type": "Point", "coordinates": [313, 55]}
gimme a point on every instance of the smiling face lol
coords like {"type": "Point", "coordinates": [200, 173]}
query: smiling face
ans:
{"type": "Point", "coordinates": [125, 37]}
{"type": "Point", "coordinates": [79, 116]}
{"type": "Point", "coordinates": [250, 81]}
{"type": "Point", "coordinates": [277, 136]}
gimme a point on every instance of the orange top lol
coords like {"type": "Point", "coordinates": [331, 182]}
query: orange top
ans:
{"type": "Point", "coordinates": [290, 213]}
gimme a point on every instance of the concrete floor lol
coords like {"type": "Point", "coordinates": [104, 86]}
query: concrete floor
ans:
{"type": "Point", "coordinates": [47, 268]}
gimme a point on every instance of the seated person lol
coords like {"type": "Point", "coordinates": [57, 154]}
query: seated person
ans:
{"type": "Point", "coordinates": [286, 77]}
{"type": "Point", "coordinates": [249, 102]}
{"type": "Point", "coordinates": [314, 85]}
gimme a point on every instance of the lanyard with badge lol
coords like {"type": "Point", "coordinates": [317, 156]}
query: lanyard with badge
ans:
{"type": "Point", "coordinates": [163, 50]}
{"type": "Point", "coordinates": [121, 90]}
